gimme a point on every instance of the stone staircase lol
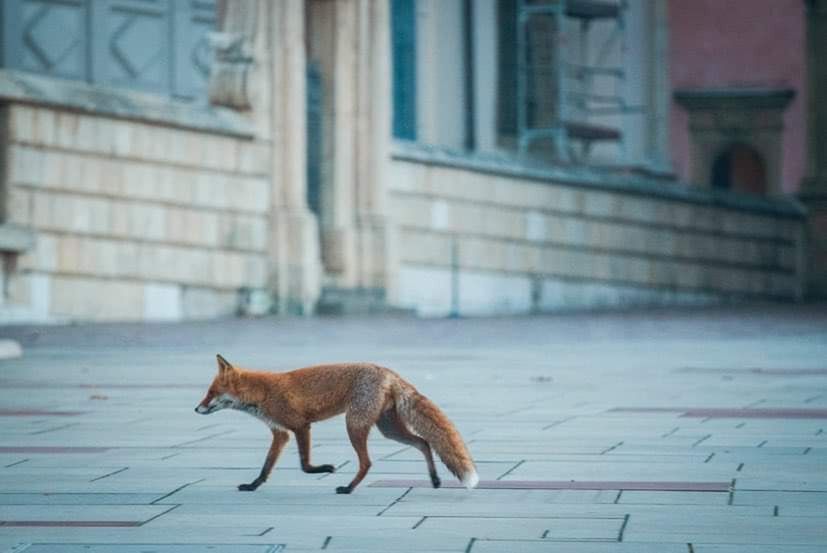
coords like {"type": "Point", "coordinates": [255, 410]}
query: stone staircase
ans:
{"type": "Point", "coordinates": [355, 301]}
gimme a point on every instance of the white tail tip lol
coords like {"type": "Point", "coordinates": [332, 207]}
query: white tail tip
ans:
{"type": "Point", "coordinates": [470, 479]}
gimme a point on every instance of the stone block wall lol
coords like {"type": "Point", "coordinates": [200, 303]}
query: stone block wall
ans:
{"type": "Point", "coordinates": [134, 220]}
{"type": "Point", "coordinates": [529, 243]}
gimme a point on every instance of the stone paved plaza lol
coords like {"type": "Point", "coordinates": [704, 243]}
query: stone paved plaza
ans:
{"type": "Point", "coordinates": [659, 431]}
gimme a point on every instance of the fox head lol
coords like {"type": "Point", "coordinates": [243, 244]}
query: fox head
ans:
{"type": "Point", "coordinates": [220, 393]}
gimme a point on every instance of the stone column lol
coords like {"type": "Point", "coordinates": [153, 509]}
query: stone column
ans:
{"type": "Point", "coordinates": [373, 135]}
{"type": "Point", "coordinates": [350, 41]}
{"type": "Point", "coordinates": [294, 236]}
{"type": "Point", "coordinates": [814, 187]}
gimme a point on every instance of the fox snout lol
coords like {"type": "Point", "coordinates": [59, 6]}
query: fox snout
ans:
{"type": "Point", "coordinates": [216, 403]}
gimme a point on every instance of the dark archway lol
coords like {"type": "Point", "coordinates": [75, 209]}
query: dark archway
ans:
{"type": "Point", "coordinates": [741, 168]}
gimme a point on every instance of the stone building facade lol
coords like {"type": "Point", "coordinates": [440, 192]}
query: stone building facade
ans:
{"type": "Point", "coordinates": [359, 155]}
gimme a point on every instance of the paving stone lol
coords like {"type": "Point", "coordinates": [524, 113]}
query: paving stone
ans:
{"type": "Point", "coordinates": [76, 498]}
{"type": "Point", "coordinates": [543, 546]}
{"type": "Point", "coordinates": [148, 548]}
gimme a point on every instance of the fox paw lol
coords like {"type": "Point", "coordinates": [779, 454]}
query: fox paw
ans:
{"type": "Point", "coordinates": [247, 487]}
{"type": "Point", "coordinates": [435, 481]}
{"type": "Point", "coordinates": [343, 489]}
{"type": "Point", "coordinates": [319, 469]}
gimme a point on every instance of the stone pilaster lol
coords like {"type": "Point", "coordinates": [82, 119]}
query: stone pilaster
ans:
{"type": "Point", "coordinates": [814, 188]}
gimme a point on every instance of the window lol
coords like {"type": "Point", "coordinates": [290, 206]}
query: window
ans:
{"type": "Point", "coordinates": [152, 45]}
{"type": "Point", "coordinates": [403, 31]}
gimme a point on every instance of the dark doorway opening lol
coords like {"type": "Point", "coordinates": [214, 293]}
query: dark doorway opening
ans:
{"type": "Point", "coordinates": [741, 168]}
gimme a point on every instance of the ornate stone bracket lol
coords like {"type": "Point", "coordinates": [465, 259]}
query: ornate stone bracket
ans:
{"type": "Point", "coordinates": [233, 59]}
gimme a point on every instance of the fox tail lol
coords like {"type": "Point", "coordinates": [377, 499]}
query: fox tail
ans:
{"type": "Point", "coordinates": [422, 416]}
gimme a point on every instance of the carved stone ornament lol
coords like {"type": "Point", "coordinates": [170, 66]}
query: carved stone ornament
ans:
{"type": "Point", "coordinates": [233, 58]}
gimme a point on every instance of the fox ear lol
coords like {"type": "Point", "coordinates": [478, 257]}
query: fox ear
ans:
{"type": "Point", "coordinates": [223, 364]}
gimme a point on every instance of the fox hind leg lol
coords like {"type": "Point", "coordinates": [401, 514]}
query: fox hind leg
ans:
{"type": "Point", "coordinates": [303, 441]}
{"type": "Point", "coordinates": [280, 438]}
{"type": "Point", "coordinates": [358, 434]}
{"type": "Point", "coordinates": [392, 427]}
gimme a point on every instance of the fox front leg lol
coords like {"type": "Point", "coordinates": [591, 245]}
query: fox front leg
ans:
{"type": "Point", "coordinates": [303, 441]}
{"type": "Point", "coordinates": [280, 438]}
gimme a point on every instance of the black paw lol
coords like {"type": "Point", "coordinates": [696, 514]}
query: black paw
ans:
{"type": "Point", "coordinates": [318, 469]}
{"type": "Point", "coordinates": [247, 487]}
{"type": "Point", "coordinates": [435, 481]}
{"type": "Point", "coordinates": [343, 489]}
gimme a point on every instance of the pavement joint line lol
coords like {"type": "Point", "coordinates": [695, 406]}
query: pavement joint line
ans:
{"type": "Point", "coordinates": [545, 533]}
{"type": "Point", "coordinates": [813, 398]}
{"type": "Point", "coordinates": [559, 422]}
{"type": "Point", "coordinates": [394, 502]}
{"type": "Point", "coordinates": [326, 542]}
{"type": "Point", "coordinates": [389, 455]}
{"type": "Point", "coordinates": [617, 499]}
{"type": "Point", "coordinates": [623, 528]}
{"type": "Point", "coordinates": [164, 458]}
{"type": "Point", "coordinates": [709, 458]}
{"type": "Point", "coordinates": [53, 429]}
{"type": "Point", "coordinates": [740, 425]}
{"type": "Point", "coordinates": [200, 428]}
{"type": "Point", "coordinates": [418, 523]}
{"type": "Point", "coordinates": [120, 470]}
{"type": "Point", "coordinates": [670, 432]}
{"type": "Point", "coordinates": [762, 444]}
{"type": "Point", "coordinates": [15, 463]}
{"type": "Point", "coordinates": [819, 432]}
{"type": "Point", "coordinates": [512, 469]}
{"type": "Point", "coordinates": [159, 515]}
{"type": "Point", "coordinates": [754, 403]}
{"type": "Point", "coordinates": [807, 450]}
{"type": "Point", "coordinates": [703, 439]}
{"type": "Point", "coordinates": [612, 448]}
{"type": "Point", "coordinates": [263, 532]}
{"type": "Point", "coordinates": [775, 511]}
{"type": "Point", "coordinates": [740, 466]}
{"type": "Point", "coordinates": [731, 492]}
{"type": "Point", "coordinates": [176, 490]}
{"type": "Point", "coordinates": [217, 434]}
{"type": "Point", "coordinates": [470, 545]}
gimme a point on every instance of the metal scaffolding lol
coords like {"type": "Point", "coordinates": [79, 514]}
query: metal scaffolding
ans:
{"type": "Point", "coordinates": [555, 92]}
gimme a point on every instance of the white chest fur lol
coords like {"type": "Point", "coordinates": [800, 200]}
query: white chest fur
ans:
{"type": "Point", "coordinates": [225, 401]}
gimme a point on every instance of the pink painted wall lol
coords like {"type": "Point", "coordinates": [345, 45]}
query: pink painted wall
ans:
{"type": "Point", "coordinates": [739, 43]}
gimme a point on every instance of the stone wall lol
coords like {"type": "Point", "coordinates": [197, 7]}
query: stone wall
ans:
{"type": "Point", "coordinates": [133, 220]}
{"type": "Point", "coordinates": [536, 240]}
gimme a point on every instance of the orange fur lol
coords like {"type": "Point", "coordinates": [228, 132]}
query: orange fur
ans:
{"type": "Point", "coordinates": [368, 395]}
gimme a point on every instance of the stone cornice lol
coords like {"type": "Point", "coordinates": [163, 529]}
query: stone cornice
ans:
{"type": "Point", "coordinates": [734, 98]}
{"type": "Point", "coordinates": [29, 88]}
{"type": "Point", "coordinates": [595, 179]}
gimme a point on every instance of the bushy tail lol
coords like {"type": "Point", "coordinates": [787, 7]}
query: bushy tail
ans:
{"type": "Point", "coordinates": [428, 421]}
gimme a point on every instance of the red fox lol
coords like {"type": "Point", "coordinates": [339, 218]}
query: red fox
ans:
{"type": "Point", "coordinates": [367, 393]}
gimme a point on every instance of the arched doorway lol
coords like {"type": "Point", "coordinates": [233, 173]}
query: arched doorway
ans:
{"type": "Point", "coordinates": [741, 168]}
